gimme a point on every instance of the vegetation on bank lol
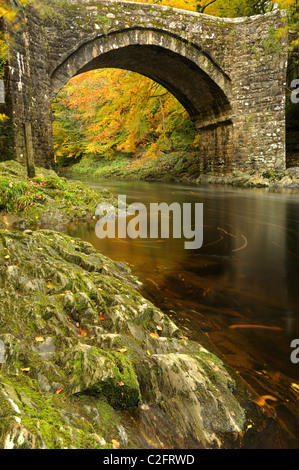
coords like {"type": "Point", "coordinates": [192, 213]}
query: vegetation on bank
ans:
{"type": "Point", "coordinates": [105, 113]}
{"type": "Point", "coordinates": [165, 167]}
{"type": "Point", "coordinates": [180, 166]}
{"type": "Point", "coordinates": [44, 199]}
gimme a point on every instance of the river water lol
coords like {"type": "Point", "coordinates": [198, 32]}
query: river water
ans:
{"type": "Point", "coordinates": [240, 290]}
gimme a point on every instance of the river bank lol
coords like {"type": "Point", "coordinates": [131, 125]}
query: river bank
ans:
{"type": "Point", "coordinates": [45, 199]}
{"type": "Point", "coordinates": [179, 167]}
{"type": "Point", "coordinates": [83, 351]}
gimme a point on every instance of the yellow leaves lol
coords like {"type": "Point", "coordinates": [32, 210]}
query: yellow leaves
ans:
{"type": "Point", "coordinates": [7, 12]}
{"type": "Point", "coordinates": [122, 350]}
{"type": "Point", "coordinates": [156, 335]}
{"type": "Point", "coordinates": [106, 110]}
{"type": "Point", "coordinates": [39, 339]}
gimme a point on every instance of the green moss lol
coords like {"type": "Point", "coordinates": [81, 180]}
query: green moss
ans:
{"type": "Point", "coordinates": [272, 43]}
{"type": "Point", "coordinates": [38, 415]}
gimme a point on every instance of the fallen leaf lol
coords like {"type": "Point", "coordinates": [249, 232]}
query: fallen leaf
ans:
{"type": "Point", "coordinates": [184, 337]}
{"type": "Point", "coordinates": [59, 390]}
{"type": "Point", "coordinates": [102, 317]}
{"type": "Point", "coordinates": [147, 351]}
{"type": "Point", "coordinates": [83, 332]}
{"type": "Point", "coordinates": [26, 369]}
{"type": "Point", "coordinates": [7, 257]}
{"type": "Point", "coordinates": [115, 443]}
{"type": "Point", "coordinates": [49, 286]}
{"type": "Point", "coordinates": [159, 328]}
{"type": "Point", "coordinates": [69, 319]}
{"type": "Point", "coordinates": [262, 401]}
{"type": "Point", "coordinates": [144, 406]}
{"type": "Point", "coordinates": [122, 350]}
{"type": "Point", "coordinates": [121, 384]}
{"type": "Point", "coordinates": [40, 339]}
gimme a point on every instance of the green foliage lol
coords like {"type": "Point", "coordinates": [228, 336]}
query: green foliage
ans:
{"type": "Point", "coordinates": [107, 113]}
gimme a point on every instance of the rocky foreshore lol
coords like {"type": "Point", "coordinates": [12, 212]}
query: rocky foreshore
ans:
{"type": "Point", "coordinates": [287, 179]}
{"type": "Point", "coordinates": [80, 343]}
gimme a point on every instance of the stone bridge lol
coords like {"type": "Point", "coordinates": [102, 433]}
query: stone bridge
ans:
{"type": "Point", "coordinates": [229, 74]}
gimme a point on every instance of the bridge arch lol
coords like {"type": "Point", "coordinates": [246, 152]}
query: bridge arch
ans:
{"type": "Point", "coordinates": [190, 74]}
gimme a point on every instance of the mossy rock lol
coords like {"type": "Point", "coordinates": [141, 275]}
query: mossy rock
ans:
{"type": "Point", "coordinates": [45, 199]}
{"type": "Point", "coordinates": [97, 372]}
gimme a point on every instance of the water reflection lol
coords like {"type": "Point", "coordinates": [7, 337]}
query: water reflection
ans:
{"type": "Point", "coordinates": [246, 273]}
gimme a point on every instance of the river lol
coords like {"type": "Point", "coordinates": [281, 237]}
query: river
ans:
{"type": "Point", "coordinates": [239, 291]}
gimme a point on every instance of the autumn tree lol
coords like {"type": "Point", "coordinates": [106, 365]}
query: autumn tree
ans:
{"type": "Point", "coordinates": [106, 112]}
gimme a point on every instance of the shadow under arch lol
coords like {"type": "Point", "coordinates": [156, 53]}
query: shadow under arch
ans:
{"type": "Point", "coordinates": [190, 74]}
